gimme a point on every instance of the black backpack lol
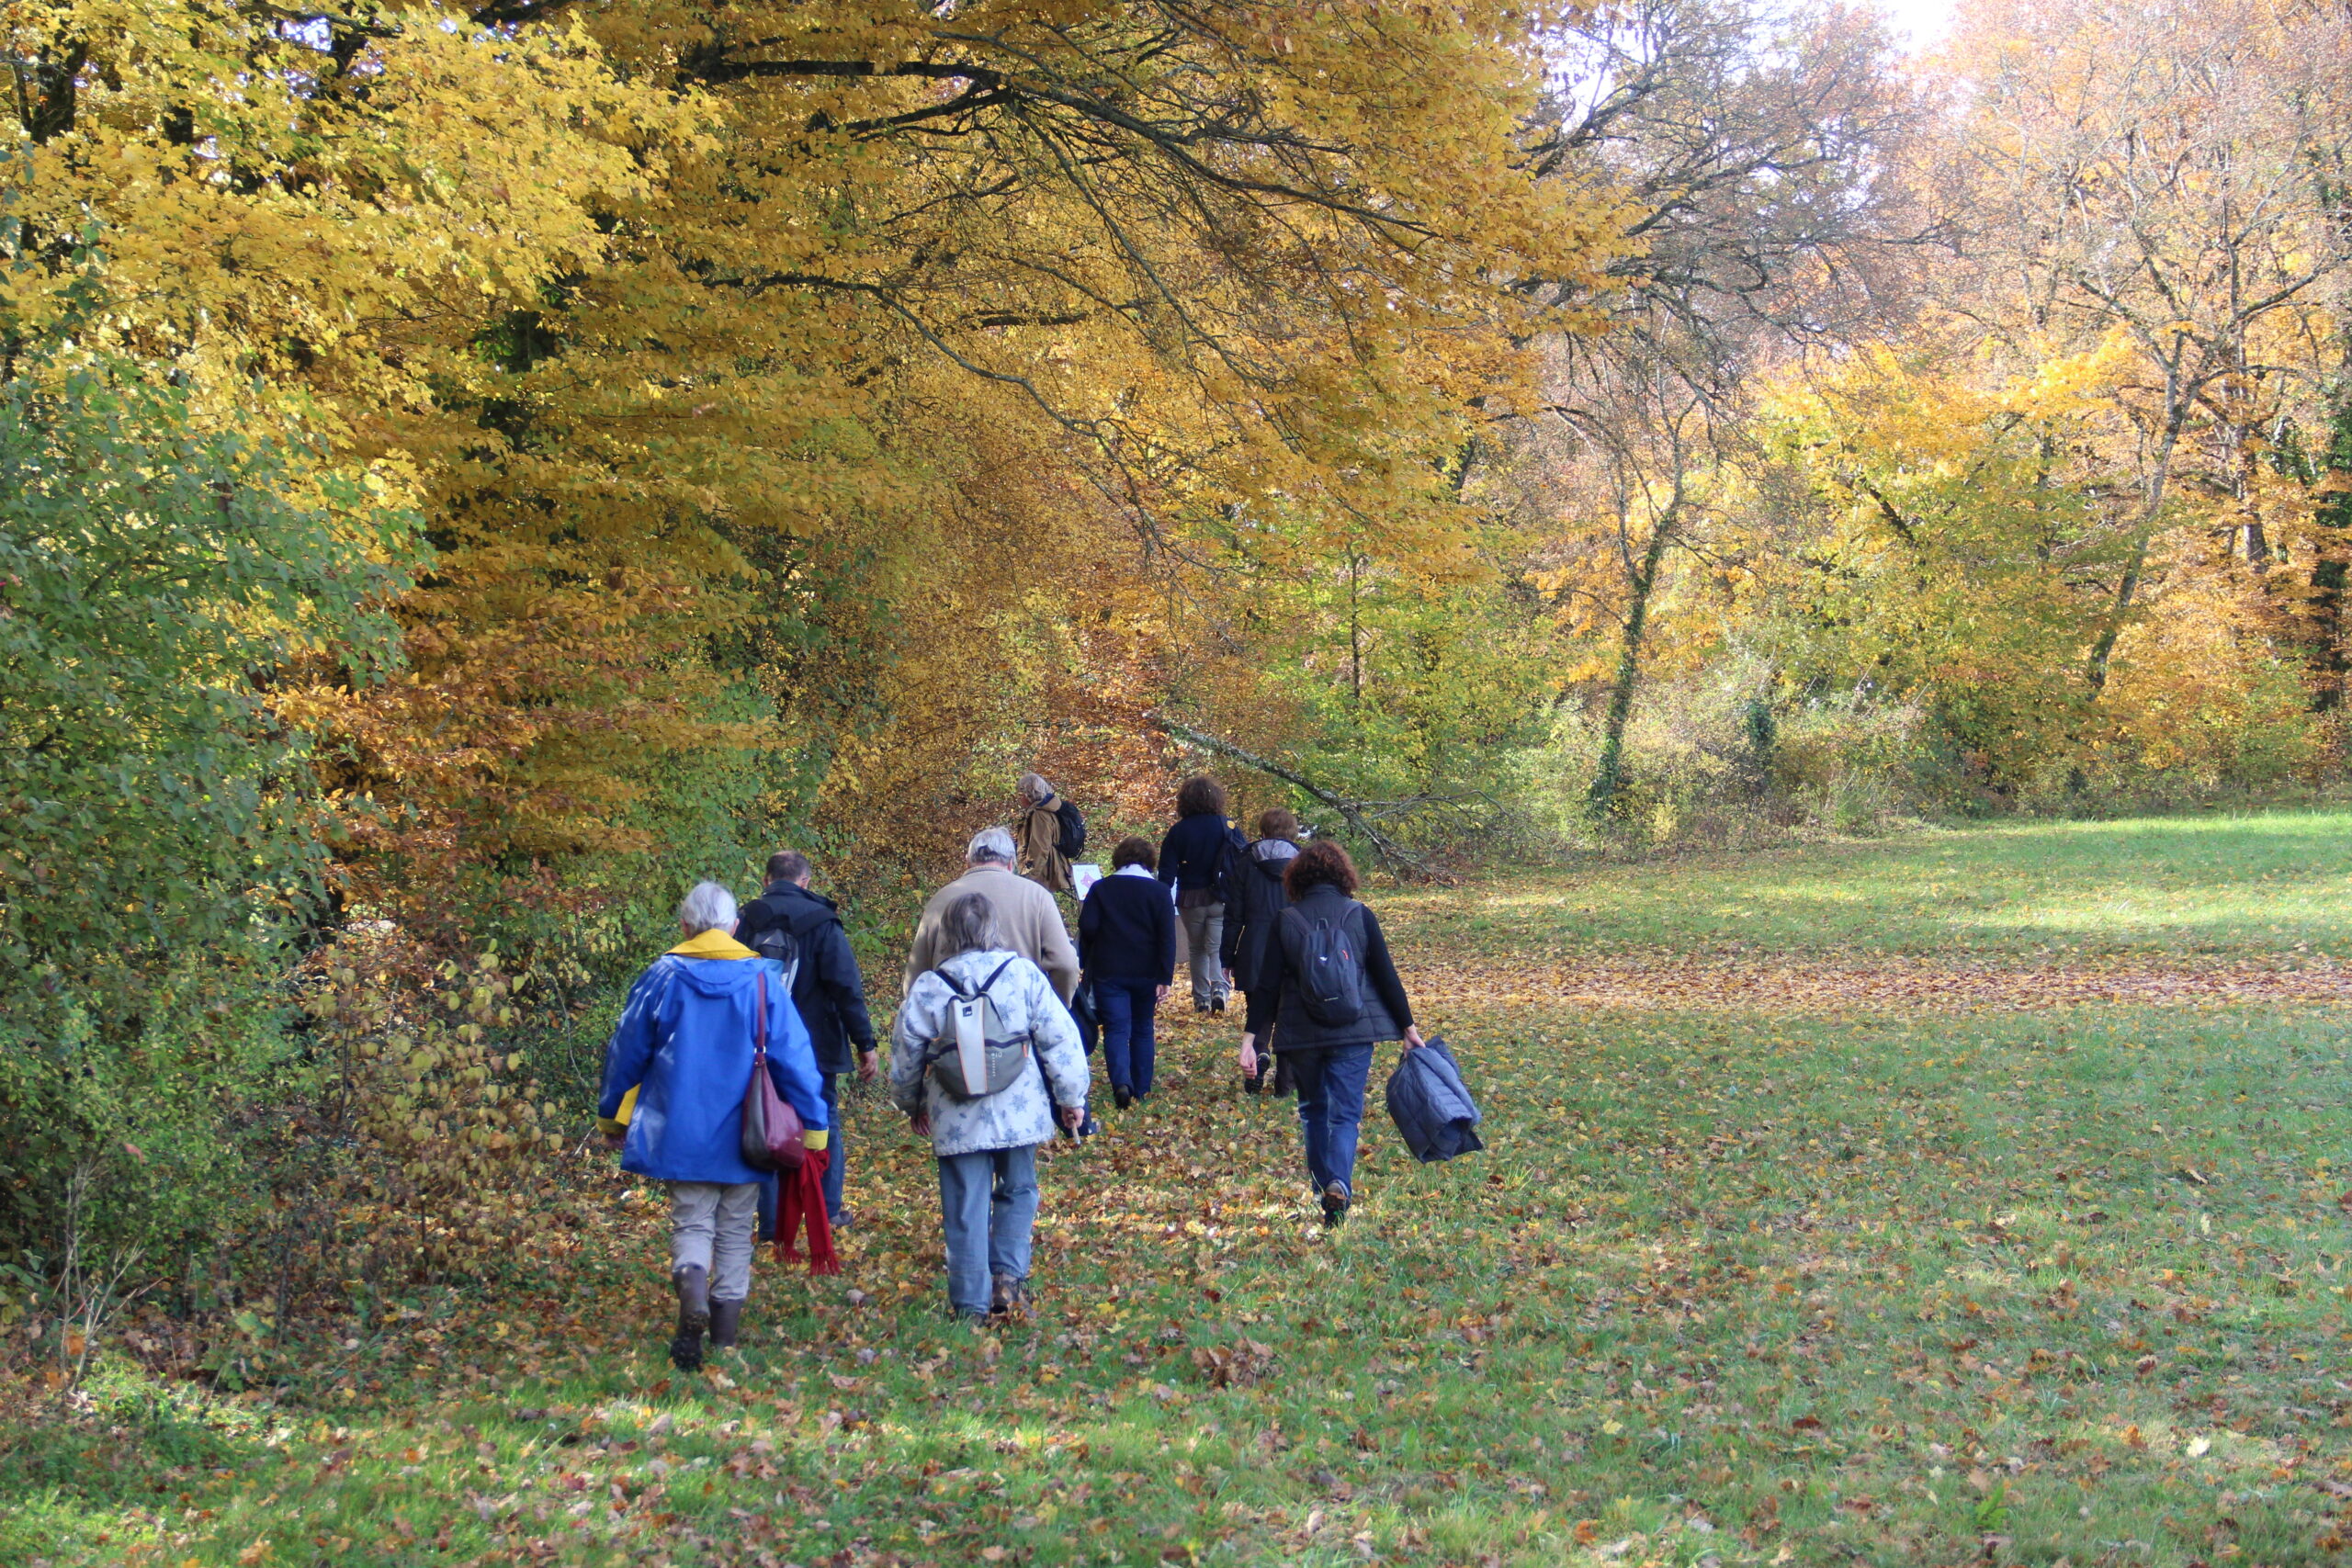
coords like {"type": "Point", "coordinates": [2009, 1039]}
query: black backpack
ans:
{"type": "Point", "coordinates": [1232, 859]}
{"type": "Point", "coordinates": [777, 942]}
{"type": "Point", "coordinates": [1328, 956]}
{"type": "Point", "coordinates": [1072, 840]}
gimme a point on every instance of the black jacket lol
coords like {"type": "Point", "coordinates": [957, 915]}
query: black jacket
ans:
{"type": "Point", "coordinates": [1127, 931]}
{"type": "Point", "coordinates": [1275, 998]}
{"type": "Point", "coordinates": [829, 991]}
{"type": "Point", "coordinates": [1189, 855]}
{"type": "Point", "coordinates": [1253, 899]}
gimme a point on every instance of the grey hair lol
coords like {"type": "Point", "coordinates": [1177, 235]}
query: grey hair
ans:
{"type": "Point", "coordinates": [1034, 789]}
{"type": "Point", "coordinates": [969, 926]}
{"type": "Point", "coordinates": [990, 844]}
{"type": "Point", "coordinates": [707, 908]}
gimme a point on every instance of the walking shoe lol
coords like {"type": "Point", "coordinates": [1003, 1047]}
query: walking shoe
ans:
{"type": "Point", "coordinates": [1216, 1004]}
{"type": "Point", "coordinates": [1121, 1096]}
{"type": "Point", "coordinates": [1335, 1202]}
{"type": "Point", "coordinates": [693, 1285]}
{"type": "Point", "coordinates": [726, 1324]}
{"type": "Point", "coordinates": [1006, 1295]}
{"type": "Point", "coordinates": [847, 1218]}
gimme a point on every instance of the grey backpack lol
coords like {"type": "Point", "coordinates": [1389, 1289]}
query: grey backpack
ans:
{"type": "Point", "coordinates": [974, 1054]}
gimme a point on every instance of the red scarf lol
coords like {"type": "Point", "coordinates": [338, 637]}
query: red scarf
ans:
{"type": "Point", "coordinates": [801, 1198]}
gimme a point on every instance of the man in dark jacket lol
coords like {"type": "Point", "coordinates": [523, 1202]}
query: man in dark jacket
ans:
{"type": "Point", "coordinates": [829, 992]}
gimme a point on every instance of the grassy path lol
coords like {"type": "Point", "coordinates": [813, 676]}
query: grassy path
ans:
{"type": "Point", "coordinates": [1880, 1203]}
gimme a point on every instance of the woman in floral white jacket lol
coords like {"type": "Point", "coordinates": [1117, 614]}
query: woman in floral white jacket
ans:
{"type": "Point", "coordinates": [987, 1146]}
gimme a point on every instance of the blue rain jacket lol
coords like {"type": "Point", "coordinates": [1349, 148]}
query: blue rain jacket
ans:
{"type": "Point", "coordinates": [685, 1045]}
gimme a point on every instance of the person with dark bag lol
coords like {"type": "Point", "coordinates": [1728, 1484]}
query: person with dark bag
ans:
{"type": "Point", "coordinates": [673, 1098]}
{"type": "Point", "coordinates": [1326, 994]}
{"type": "Point", "coordinates": [787, 918]}
{"type": "Point", "coordinates": [977, 1042]}
{"type": "Point", "coordinates": [1126, 946]}
{"type": "Point", "coordinates": [1254, 899]}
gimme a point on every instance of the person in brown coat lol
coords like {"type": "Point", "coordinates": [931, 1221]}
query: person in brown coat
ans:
{"type": "Point", "coordinates": [1029, 920]}
{"type": "Point", "coordinates": [1042, 860]}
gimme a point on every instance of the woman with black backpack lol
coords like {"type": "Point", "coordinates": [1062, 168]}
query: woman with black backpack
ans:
{"type": "Point", "coordinates": [1329, 992]}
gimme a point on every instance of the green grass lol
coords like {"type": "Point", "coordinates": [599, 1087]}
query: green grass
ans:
{"type": "Point", "coordinates": [2170, 886]}
{"type": "Point", "coordinates": [1865, 1287]}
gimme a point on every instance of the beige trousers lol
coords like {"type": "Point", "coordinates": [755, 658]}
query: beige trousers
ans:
{"type": "Point", "coordinates": [712, 1225]}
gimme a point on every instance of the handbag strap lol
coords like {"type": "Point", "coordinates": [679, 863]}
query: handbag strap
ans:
{"type": "Point", "coordinates": [759, 1026]}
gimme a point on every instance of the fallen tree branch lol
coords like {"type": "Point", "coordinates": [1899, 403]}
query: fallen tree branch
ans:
{"type": "Point", "coordinates": [1398, 858]}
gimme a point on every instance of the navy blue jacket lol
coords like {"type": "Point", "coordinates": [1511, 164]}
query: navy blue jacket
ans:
{"type": "Point", "coordinates": [1127, 931]}
{"type": "Point", "coordinates": [1190, 854]}
{"type": "Point", "coordinates": [829, 991]}
{"type": "Point", "coordinates": [1431, 1106]}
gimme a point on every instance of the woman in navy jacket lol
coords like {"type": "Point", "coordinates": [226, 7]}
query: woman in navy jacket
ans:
{"type": "Point", "coordinates": [1126, 941]}
{"type": "Point", "coordinates": [1192, 857]}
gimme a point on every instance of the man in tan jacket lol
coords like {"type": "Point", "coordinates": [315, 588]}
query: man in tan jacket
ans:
{"type": "Point", "coordinates": [1041, 857]}
{"type": "Point", "coordinates": [1026, 915]}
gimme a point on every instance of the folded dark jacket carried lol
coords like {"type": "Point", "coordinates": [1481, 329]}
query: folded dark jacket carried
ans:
{"type": "Point", "coordinates": [1431, 1106]}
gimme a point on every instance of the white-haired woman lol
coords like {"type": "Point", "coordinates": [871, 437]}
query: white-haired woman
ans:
{"type": "Point", "coordinates": [987, 1147]}
{"type": "Point", "coordinates": [682, 1058]}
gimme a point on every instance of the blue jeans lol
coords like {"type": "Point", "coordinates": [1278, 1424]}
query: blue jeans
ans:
{"type": "Point", "coordinates": [836, 1169]}
{"type": "Point", "coordinates": [1330, 1109]}
{"type": "Point", "coordinates": [988, 1201]}
{"type": "Point", "coordinates": [1128, 1008]}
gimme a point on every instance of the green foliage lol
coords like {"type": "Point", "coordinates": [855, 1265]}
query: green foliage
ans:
{"type": "Point", "coordinates": [162, 844]}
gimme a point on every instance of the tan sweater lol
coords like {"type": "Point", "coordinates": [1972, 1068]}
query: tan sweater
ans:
{"type": "Point", "coordinates": [1028, 921]}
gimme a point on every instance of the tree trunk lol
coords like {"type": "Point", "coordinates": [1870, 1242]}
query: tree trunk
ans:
{"type": "Point", "coordinates": [2176, 416]}
{"type": "Point", "coordinates": [1609, 778]}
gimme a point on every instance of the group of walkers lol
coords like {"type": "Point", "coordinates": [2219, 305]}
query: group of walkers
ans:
{"type": "Point", "coordinates": [990, 1048]}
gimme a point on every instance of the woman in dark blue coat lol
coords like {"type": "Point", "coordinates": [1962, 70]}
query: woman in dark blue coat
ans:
{"type": "Point", "coordinates": [1126, 942]}
{"type": "Point", "coordinates": [1191, 861]}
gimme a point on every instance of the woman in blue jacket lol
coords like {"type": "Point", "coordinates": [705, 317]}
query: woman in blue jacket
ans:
{"type": "Point", "coordinates": [1192, 859]}
{"type": "Point", "coordinates": [1126, 942]}
{"type": "Point", "coordinates": [675, 1072]}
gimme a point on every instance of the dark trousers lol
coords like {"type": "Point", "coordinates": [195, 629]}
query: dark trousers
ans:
{"type": "Point", "coordinates": [1128, 1008]}
{"type": "Point", "coordinates": [836, 1169]}
{"type": "Point", "coordinates": [1330, 1109]}
{"type": "Point", "coordinates": [1283, 1075]}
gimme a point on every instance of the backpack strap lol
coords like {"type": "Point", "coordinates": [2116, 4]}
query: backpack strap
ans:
{"type": "Point", "coordinates": [993, 973]}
